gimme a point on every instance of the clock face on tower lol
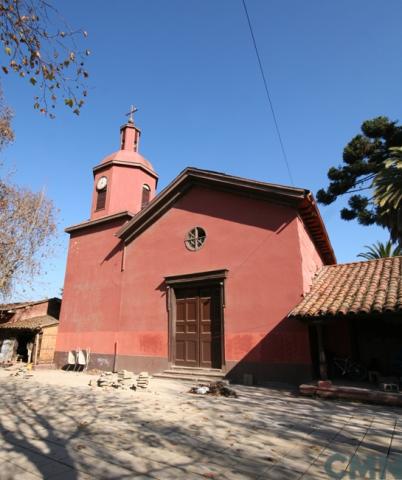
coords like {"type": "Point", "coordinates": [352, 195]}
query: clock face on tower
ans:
{"type": "Point", "coordinates": [101, 184]}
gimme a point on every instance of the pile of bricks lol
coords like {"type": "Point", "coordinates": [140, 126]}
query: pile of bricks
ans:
{"type": "Point", "coordinates": [23, 372]}
{"type": "Point", "coordinates": [143, 380]}
{"type": "Point", "coordinates": [126, 380]}
{"type": "Point", "coordinates": [105, 380]}
{"type": "Point", "coordinates": [122, 380]}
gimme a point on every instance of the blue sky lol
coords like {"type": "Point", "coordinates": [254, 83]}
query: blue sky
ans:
{"type": "Point", "coordinates": [190, 68]}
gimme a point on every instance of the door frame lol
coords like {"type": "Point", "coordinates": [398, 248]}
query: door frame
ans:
{"type": "Point", "coordinates": [214, 278]}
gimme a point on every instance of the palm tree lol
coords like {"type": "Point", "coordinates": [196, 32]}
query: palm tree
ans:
{"type": "Point", "coordinates": [381, 250]}
{"type": "Point", "coordinates": [388, 193]}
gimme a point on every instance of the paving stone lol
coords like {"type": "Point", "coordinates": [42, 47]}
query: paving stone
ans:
{"type": "Point", "coordinates": [281, 473]}
{"type": "Point", "coordinates": [10, 471]}
{"type": "Point", "coordinates": [317, 475]}
{"type": "Point", "coordinates": [50, 469]}
{"type": "Point", "coordinates": [141, 476]}
{"type": "Point", "coordinates": [71, 475]}
{"type": "Point", "coordinates": [117, 434]}
{"type": "Point", "coordinates": [27, 459]}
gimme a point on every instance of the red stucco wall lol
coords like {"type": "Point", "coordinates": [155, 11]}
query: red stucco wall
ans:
{"type": "Point", "coordinates": [124, 190]}
{"type": "Point", "coordinates": [91, 295]}
{"type": "Point", "coordinates": [38, 310]}
{"type": "Point", "coordinates": [255, 241]}
{"type": "Point", "coordinates": [126, 179]}
{"type": "Point", "coordinates": [310, 260]}
{"type": "Point", "coordinates": [269, 261]}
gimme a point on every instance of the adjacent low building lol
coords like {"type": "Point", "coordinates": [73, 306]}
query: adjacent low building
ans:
{"type": "Point", "coordinates": [354, 311]}
{"type": "Point", "coordinates": [28, 331]}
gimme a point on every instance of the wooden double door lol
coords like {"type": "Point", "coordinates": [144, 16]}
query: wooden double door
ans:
{"type": "Point", "coordinates": [198, 328]}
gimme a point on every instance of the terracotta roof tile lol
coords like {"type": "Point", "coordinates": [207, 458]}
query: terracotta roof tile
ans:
{"type": "Point", "coordinates": [34, 323]}
{"type": "Point", "coordinates": [374, 286]}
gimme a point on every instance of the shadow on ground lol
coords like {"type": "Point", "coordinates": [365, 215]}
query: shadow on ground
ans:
{"type": "Point", "coordinates": [78, 433]}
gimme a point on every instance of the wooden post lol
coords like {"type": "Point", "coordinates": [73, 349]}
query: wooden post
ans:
{"type": "Point", "coordinates": [169, 305]}
{"type": "Point", "coordinates": [168, 298]}
{"type": "Point", "coordinates": [353, 340]}
{"type": "Point", "coordinates": [36, 345]}
{"type": "Point", "coordinates": [321, 353]}
{"type": "Point", "coordinates": [123, 258]}
{"type": "Point", "coordinates": [115, 357]}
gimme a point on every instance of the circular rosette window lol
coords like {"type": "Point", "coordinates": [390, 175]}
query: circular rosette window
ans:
{"type": "Point", "coordinates": [195, 239]}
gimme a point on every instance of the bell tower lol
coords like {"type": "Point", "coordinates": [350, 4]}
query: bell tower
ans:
{"type": "Point", "coordinates": [124, 180]}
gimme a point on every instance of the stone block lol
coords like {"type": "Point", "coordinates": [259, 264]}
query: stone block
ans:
{"type": "Point", "coordinates": [324, 383]}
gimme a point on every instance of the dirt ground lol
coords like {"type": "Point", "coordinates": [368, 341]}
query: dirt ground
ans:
{"type": "Point", "coordinates": [54, 426]}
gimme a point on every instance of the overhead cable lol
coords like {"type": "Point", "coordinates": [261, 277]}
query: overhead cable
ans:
{"type": "Point", "coordinates": [285, 157]}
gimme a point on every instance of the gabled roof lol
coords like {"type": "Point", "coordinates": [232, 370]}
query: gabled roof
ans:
{"type": "Point", "coordinates": [299, 198]}
{"type": "Point", "coordinates": [373, 286]}
{"type": "Point", "coordinates": [98, 221]}
{"type": "Point", "coordinates": [34, 323]}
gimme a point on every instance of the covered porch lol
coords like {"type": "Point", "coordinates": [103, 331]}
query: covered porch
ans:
{"type": "Point", "coordinates": [357, 348]}
{"type": "Point", "coordinates": [354, 315]}
{"type": "Point", "coordinates": [30, 341]}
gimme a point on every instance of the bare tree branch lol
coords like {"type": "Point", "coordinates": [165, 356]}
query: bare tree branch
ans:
{"type": "Point", "coordinates": [40, 46]}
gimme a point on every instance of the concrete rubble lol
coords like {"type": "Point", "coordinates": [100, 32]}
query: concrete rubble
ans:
{"type": "Point", "coordinates": [217, 389]}
{"type": "Point", "coordinates": [122, 380]}
{"type": "Point", "coordinates": [22, 372]}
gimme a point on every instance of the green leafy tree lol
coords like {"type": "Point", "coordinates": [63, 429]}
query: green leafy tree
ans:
{"type": "Point", "coordinates": [39, 45]}
{"type": "Point", "coordinates": [381, 250]}
{"type": "Point", "coordinates": [364, 158]}
{"type": "Point", "coordinates": [388, 193]}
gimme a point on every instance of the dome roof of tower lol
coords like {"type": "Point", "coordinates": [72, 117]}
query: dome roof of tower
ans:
{"type": "Point", "coordinates": [129, 156]}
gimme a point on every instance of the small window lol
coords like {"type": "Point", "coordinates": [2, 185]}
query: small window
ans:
{"type": "Point", "coordinates": [195, 238]}
{"type": "Point", "coordinates": [146, 194]}
{"type": "Point", "coordinates": [101, 199]}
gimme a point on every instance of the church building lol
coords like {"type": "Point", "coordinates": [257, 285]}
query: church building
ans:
{"type": "Point", "coordinates": [198, 277]}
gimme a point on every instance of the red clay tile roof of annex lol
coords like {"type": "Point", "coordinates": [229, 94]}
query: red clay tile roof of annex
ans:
{"type": "Point", "coordinates": [34, 323]}
{"type": "Point", "coordinates": [374, 286]}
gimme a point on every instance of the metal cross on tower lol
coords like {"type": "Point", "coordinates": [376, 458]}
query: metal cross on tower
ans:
{"type": "Point", "coordinates": [130, 114]}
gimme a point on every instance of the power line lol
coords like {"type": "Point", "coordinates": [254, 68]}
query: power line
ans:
{"type": "Point", "coordinates": [285, 157]}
